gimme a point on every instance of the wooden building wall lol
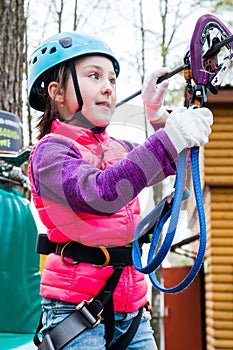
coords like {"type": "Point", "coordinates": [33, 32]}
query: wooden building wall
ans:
{"type": "Point", "coordinates": [218, 193]}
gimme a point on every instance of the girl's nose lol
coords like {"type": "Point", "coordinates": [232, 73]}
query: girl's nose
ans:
{"type": "Point", "coordinates": [107, 88]}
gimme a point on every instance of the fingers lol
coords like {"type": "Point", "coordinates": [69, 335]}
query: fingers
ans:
{"type": "Point", "coordinates": [159, 92]}
{"type": "Point", "coordinates": [208, 115]}
{"type": "Point", "coordinates": [159, 72]}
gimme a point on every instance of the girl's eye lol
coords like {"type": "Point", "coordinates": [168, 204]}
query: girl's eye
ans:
{"type": "Point", "coordinates": [113, 81]}
{"type": "Point", "coordinates": [94, 76]}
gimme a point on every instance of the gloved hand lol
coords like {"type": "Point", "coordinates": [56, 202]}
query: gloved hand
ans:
{"type": "Point", "coordinates": [190, 127]}
{"type": "Point", "coordinates": [153, 95]}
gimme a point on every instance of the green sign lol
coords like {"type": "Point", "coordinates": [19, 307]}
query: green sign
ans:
{"type": "Point", "coordinates": [10, 133]}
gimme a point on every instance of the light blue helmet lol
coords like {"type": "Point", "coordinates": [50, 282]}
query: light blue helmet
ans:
{"type": "Point", "coordinates": [57, 49]}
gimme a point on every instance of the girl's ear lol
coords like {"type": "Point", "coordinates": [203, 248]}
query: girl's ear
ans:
{"type": "Point", "coordinates": [55, 93]}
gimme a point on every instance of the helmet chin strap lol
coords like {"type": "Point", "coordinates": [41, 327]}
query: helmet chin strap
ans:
{"type": "Point", "coordinates": [76, 85]}
{"type": "Point", "coordinates": [82, 121]}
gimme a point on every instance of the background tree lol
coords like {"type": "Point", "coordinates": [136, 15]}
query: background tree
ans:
{"type": "Point", "coordinates": [12, 24]}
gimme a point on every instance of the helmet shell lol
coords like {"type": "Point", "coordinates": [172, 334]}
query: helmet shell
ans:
{"type": "Point", "coordinates": [60, 48]}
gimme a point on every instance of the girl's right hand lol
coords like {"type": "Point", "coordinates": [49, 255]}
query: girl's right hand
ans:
{"type": "Point", "coordinates": [190, 127]}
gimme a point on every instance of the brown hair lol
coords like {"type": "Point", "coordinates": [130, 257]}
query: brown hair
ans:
{"type": "Point", "coordinates": [59, 74]}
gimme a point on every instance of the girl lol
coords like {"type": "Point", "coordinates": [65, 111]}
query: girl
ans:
{"type": "Point", "coordinates": [85, 186]}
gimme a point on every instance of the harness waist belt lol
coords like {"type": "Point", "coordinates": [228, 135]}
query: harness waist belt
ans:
{"type": "Point", "coordinates": [79, 253]}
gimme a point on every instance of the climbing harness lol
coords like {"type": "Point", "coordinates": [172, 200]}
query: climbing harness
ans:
{"type": "Point", "coordinates": [88, 314]}
{"type": "Point", "coordinates": [202, 68]}
{"type": "Point", "coordinates": [98, 256]}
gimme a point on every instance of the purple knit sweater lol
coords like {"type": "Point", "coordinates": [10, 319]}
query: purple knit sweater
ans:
{"type": "Point", "coordinates": [83, 184]}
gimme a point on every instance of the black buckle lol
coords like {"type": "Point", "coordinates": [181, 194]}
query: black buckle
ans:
{"type": "Point", "coordinates": [90, 320]}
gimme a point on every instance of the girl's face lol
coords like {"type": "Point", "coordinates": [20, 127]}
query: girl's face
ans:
{"type": "Point", "coordinates": [97, 84]}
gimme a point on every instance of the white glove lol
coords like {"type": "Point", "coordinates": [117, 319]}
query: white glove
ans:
{"type": "Point", "coordinates": [153, 95]}
{"type": "Point", "coordinates": [190, 127]}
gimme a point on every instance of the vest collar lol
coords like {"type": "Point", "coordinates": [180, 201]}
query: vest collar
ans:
{"type": "Point", "coordinates": [78, 133]}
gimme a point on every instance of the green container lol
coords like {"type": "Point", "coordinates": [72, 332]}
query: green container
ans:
{"type": "Point", "coordinates": [19, 264]}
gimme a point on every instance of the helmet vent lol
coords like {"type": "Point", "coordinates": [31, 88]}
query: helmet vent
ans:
{"type": "Point", "coordinates": [44, 50]}
{"type": "Point", "coordinates": [53, 49]}
{"type": "Point", "coordinates": [34, 60]}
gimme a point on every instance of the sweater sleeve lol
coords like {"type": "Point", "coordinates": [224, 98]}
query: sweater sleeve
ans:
{"type": "Point", "coordinates": [60, 174]}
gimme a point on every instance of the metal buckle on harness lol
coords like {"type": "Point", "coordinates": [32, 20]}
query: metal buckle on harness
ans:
{"type": "Point", "coordinates": [72, 263]}
{"type": "Point", "coordinates": [86, 316]}
{"type": "Point", "coordinates": [107, 256]}
{"type": "Point", "coordinates": [66, 262]}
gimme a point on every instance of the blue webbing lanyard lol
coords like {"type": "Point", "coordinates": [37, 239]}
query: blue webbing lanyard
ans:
{"type": "Point", "coordinates": [154, 261]}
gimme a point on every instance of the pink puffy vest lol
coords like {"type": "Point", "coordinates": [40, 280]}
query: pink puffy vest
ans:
{"type": "Point", "coordinates": [83, 281]}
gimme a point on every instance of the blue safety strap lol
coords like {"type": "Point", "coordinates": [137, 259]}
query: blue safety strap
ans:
{"type": "Point", "coordinates": [154, 261]}
{"type": "Point", "coordinates": [179, 195]}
